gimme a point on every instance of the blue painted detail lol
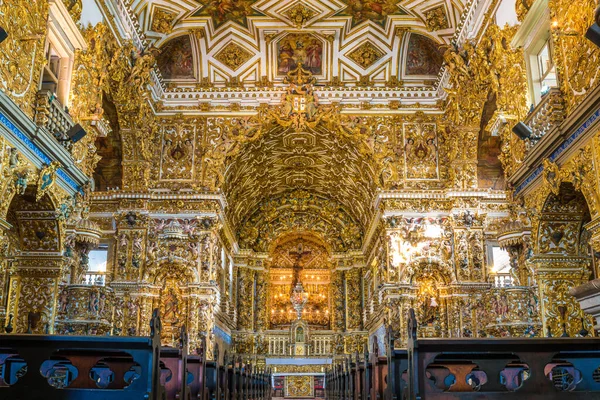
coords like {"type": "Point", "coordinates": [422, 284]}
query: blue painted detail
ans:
{"type": "Point", "coordinates": [565, 145]}
{"type": "Point", "coordinates": [6, 122]}
{"type": "Point", "coordinates": [45, 159]}
{"type": "Point", "coordinates": [222, 334]}
{"type": "Point", "coordinates": [556, 153]}
{"type": "Point", "coordinates": [69, 181]}
{"type": "Point", "coordinates": [379, 336]}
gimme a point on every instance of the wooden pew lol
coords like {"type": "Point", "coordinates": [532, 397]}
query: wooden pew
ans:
{"type": "Point", "coordinates": [378, 373]}
{"type": "Point", "coordinates": [196, 364]}
{"type": "Point", "coordinates": [214, 379]}
{"type": "Point", "coordinates": [175, 360]}
{"type": "Point", "coordinates": [70, 362]}
{"type": "Point", "coordinates": [502, 368]}
{"type": "Point", "coordinates": [397, 361]}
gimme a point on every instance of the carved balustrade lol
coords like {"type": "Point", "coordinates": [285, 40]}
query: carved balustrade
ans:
{"type": "Point", "coordinates": [50, 114]}
{"type": "Point", "coordinates": [500, 280]}
{"type": "Point", "coordinates": [94, 278]}
{"type": "Point", "coordinates": [279, 344]}
{"type": "Point", "coordinates": [547, 115]}
{"type": "Point", "coordinates": [319, 344]}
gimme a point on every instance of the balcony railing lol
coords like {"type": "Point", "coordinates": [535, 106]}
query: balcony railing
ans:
{"type": "Point", "coordinates": [94, 278]}
{"type": "Point", "coordinates": [549, 113]}
{"type": "Point", "coordinates": [50, 114]}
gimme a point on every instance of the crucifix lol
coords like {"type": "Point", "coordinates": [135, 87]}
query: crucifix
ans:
{"type": "Point", "coordinates": [299, 253]}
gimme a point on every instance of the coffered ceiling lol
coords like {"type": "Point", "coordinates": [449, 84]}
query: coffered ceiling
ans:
{"type": "Point", "coordinates": [349, 43]}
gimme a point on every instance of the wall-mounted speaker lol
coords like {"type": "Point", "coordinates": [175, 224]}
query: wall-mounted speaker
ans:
{"type": "Point", "coordinates": [522, 131]}
{"type": "Point", "coordinates": [593, 34]}
{"type": "Point", "coordinates": [76, 133]}
{"type": "Point", "coordinates": [3, 34]}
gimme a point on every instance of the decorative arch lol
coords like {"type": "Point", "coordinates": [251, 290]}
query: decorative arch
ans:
{"type": "Point", "coordinates": [561, 229]}
{"type": "Point", "coordinates": [36, 238]}
{"type": "Point", "coordinates": [109, 169]}
{"type": "Point", "coordinates": [307, 257]}
{"type": "Point", "coordinates": [165, 268]}
{"type": "Point", "coordinates": [578, 173]}
{"type": "Point", "coordinates": [430, 268]}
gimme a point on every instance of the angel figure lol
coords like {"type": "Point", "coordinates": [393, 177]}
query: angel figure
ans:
{"type": "Point", "coordinates": [14, 158]}
{"type": "Point", "coordinates": [194, 249]}
{"type": "Point", "coordinates": [123, 240]}
{"type": "Point", "coordinates": [152, 248]}
{"type": "Point", "coordinates": [188, 226]}
{"type": "Point", "coordinates": [137, 244]}
{"type": "Point", "coordinates": [141, 69]}
{"type": "Point", "coordinates": [160, 225]}
{"type": "Point", "coordinates": [46, 179]}
{"type": "Point", "coordinates": [456, 64]}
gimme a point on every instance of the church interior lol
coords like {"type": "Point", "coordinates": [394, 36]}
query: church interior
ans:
{"type": "Point", "coordinates": [309, 199]}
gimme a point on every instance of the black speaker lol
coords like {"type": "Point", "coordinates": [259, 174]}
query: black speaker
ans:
{"type": "Point", "coordinates": [3, 34]}
{"type": "Point", "coordinates": [76, 133]}
{"type": "Point", "coordinates": [593, 34]}
{"type": "Point", "coordinates": [522, 131]}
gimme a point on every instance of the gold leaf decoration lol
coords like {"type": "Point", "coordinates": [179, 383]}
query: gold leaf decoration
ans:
{"type": "Point", "coordinates": [233, 56]}
{"type": "Point", "coordinates": [366, 54]}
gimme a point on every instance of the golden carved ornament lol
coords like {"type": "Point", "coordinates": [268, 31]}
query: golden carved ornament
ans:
{"type": "Point", "coordinates": [22, 53]}
{"type": "Point", "coordinates": [436, 19]}
{"type": "Point", "coordinates": [233, 56]}
{"type": "Point", "coordinates": [366, 54]}
{"type": "Point", "coordinates": [162, 21]}
{"type": "Point", "coordinates": [299, 14]}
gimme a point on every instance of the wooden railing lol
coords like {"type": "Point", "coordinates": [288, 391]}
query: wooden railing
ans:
{"type": "Point", "coordinates": [496, 368]}
{"type": "Point", "coordinates": [131, 368]}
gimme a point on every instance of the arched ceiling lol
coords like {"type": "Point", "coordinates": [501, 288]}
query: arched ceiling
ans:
{"type": "Point", "coordinates": [255, 42]}
{"type": "Point", "coordinates": [290, 181]}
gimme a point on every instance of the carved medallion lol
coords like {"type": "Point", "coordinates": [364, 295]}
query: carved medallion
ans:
{"type": "Point", "coordinates": [436, 19]}
{"type": "Point", "coordinates": [233, 55]}
{"type": "Point", "coordinates": [366, 54]}
{"type": "Point", "coordinates": [299, 14]}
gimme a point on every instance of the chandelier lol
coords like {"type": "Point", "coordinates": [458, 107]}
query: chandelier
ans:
{"type": "Point", "coordinates": [299, 298]}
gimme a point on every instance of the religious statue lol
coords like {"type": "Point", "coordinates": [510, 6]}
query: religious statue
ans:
{"type": "Point", "coordinates": [300, 335]}
{"type": "Point", "coordinates": [171, 307]}
{"type": "Point", "coordinates": [46, 179]}
{"type": "Point", "coordinates": [63, 301]}
{"type": "Point", "coordinates": [94, 303]}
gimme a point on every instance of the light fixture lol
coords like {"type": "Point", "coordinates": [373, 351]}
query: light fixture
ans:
{"type": "Point", "coordinates": [593, 34]}
{"type": "Point", "coordinates": [522, 131]}
{"type": "Point", "coordinates": [299, 298]}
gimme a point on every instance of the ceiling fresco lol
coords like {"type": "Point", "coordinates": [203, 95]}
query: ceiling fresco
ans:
{"type": "Point", "coordinates": [254, 43]}
{"type": "Point", "coordinates": [223, 11]}
{"type": "Point", "coordinates": [376, 11]}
